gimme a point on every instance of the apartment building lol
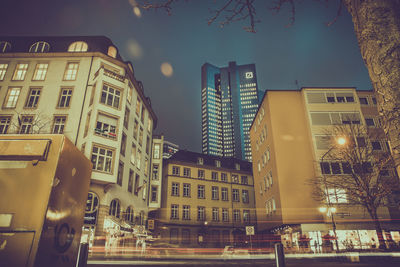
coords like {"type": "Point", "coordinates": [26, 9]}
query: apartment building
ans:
{"type": "Point", "coordinates": [206, 200]}
{"type": "Point", "coordinates": [79, 86]}
{"type": "Point", "coordinates": [288, 140]}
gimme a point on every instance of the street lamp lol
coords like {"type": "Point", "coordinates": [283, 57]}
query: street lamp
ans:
{"type": "Point", "coordinates": [341, 141]}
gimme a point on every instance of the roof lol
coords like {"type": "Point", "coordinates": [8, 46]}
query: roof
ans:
{"type": "Point", "coordinates": [209, 160]}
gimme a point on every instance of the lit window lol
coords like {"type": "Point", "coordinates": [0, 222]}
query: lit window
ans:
{"type": "Point", "coordinates": [110, 96]}
{"type": "Point", "coordinates": [40, 72]}
{"type": "Point", "coordinates": [5, 122]}
{"type": "Point", "coordinates": [78, 47]}
{"type": "Point", "coordinates": [200, 174]}
{"type": "Point", "coordinates": [20, 72]}
{"type": "Point", "coordinates": [39, 47]}
{"type": "Point", "coordinates": [112, 51]}
{"type": "Point", "coordinates": [5, 47]}
{"type": "Point", "coordinates": [200, 161]}
{"type": "Point", "coordinates": [12, 97]}
{"type": "Point", "coordinates": [59, 124]}
{"type": "Point", "coordinates": [246, 215]}
{"type": "Point", "coordinates": [71, 71]}
{"type": "Point", "coordinates": [65, 98]}
{"type": "Point", "coordinates": [3, 70]}
{"type": "Point", "coordinates": [26, 125]}
{"type": "Point", "coordinates": [245, 196]}
{"type": "Point", "coordinates": [115, 208]}
{"type": "Point", "coordinates": [102, 159]}
{"type": "Point", "coordinates": [33, 98]}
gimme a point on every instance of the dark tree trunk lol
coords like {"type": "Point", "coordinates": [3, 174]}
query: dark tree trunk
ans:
{"type": "Point", "coordinates": [377, 27]}
{"type": "Point", "coordinates": [378, 228]}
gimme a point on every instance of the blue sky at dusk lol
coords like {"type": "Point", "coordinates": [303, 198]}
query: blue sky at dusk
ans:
{"type": "Point", "coordinates": [309, 51]}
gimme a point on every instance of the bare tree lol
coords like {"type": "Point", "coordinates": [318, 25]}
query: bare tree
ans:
{"type": "Point", "coordinates": [376, 25]}
{"type": "Point", "coordinates": [29, 122]}
{"type": "Point", "coordinates": [358, 172]}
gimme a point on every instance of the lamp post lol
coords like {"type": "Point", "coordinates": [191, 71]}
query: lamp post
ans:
{"type": "Point", "coordinates": [330, 210]}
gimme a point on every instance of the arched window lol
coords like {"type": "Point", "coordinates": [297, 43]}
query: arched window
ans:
{"type": "Point", "coordinates": [115, 208]}
{"type": "Point", "coordinates": [39, 47]}
{"type": "Point", "coordinates": [112, 51]}
{"type": "Point", "coordinates": [92, 203]}
{"type": "Point", "coordinates": [129, 215]}
{"type": "Point", "coordinates": [78, 47]}
{"type": "Point", "coordinates": [5, 47]}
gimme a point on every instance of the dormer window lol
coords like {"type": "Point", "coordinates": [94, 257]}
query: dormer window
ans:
{"type": "Point", "coordinates": [78, 47]}
{"type": "Point", "coordinates": [237, 166]}
{"type": "Point", "coordinates": [5, 47]}
{"type": "Point", "coordinates": [217, 163]}
{"type": "Point", "coordinates": [39, 47]}
{"type": "Point", "coordinates": [112, 51]}
{"type": "Point", "coordinates": [200, 161]}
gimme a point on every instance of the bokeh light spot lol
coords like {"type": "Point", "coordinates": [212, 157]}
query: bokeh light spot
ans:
{"type": "Point", "coordinates": [137, 12]}
{"type": "Point", "coordinates": [166, 69]}
{"type": "Point", "coordinates": [134, 49]}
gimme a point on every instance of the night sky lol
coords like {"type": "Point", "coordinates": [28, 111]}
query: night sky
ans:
{"type": "Point", "coordinates": [309, 51]}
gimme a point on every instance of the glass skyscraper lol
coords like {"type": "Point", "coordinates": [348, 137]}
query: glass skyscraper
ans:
{"type": "Point", "coordinates": [229, 98]}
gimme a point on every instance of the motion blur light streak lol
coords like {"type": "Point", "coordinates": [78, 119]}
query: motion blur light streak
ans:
{"type": "Point", "coordinates": [167, 69]}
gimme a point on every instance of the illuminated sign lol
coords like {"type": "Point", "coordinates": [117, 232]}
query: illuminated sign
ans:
{"type": "Point", "coordinates": [249, 75]}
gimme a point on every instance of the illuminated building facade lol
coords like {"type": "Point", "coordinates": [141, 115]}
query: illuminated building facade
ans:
{"type": "Point", "coordinates": [206, 200]}
{"type": "Point", "coordinates": [288, 139]}
{"type": "Point", "coordinates": [81, 87]}
{"type": "Point", "coordinates": [229, 98]}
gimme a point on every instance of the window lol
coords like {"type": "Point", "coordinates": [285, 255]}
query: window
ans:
{"type": "Point", "coordinates": [140, 136]}
{"type": "Point", "coordinates": [335, 168]}
{"type": "Point", "coordinates": [200, 174]}
{"type": "Point", "coordinates": [176, 170]}
{"type": "Point", "coordinates": [135, 129]}
{"type": "Point", "coordinates": [214, 192]}
{"type": "Point", "coordinates": [106, 126]}
{"type": "Point", "coordinates": [363, 100]}
{"type": "Point", "coordinates": [370, 122]}
{"type": "Point", "coordinates": [92, 202]}
{"type": "Point", "coordinates": [126, 118]}
{"type": "Point", "coordinates": [361, 142]}
{"type": "Point", "coordinates": [130, 182]}
{"type": "Point", "coordinates": [129, 215]}
{"type": "Point", "coordinates": [336, 195]}
{"type": "Point", "coordinates": [153, 193]}
{"type": "Point", "coordinates": [214, 176]}
{"type": "Point", "coordinates": [138, 106]}
{"type": "Point", "coordinates": [224, 177]}
{"type": "Point", "coordinates": [201, 213]}
{"type": "Point", "coordinates": [235, 178]}
{"type": "Point", "coordinates": [39, 47]}
{"type": "Point", "coordinates": [201, 191]}
{"type": "Point", "coordinates": [225, 215]}
{"type": "Point", "coordinates": [156, 151]}
{"type": "Point", "coordinates": [373, 100]}
{"type": "Point", "coordinates": [115, 208]}
{"type": "Point", "coordinates": [236, 215]}
{"type": "Point", "coordinates": [78, 47]}
{"type": "Point", "coordinates": [149, 124]}
{"type": "Point", "coordinates": [65, 98]}
{"type": "Point", "coordinates": [123, 144]}
{"type": "Point", "coordinates": [186, 212]}
{"type": "Point", "coordinates": [224, 194]}
{"type": "Point", "coordinates": [246, 216]}
{"type": "Point", "coordinates": [120, 173]}
{"type": "Point", "coordinates": [137, 188]}
{"type": "Point", "coordinates": [186, 172]}
{"type": "Point", "coordinates": [70, 71]}
{"type": "Point", "coordinates": [102, 159]}
{"type": "Point", "coordinates": [5, 122]}
{"type": "Point", "coordinates": [186, 190]}
{"type": "Point", "coordinates": [26, 125]}
{"type": "Point", "coordinates": [174, 211]}
{"type": "Point", "coordinates": [33, 98]}
{"type": "Point", "coordinates": [20, 72]}
{"type": "Point", "coordinates": [40, 72]}
{"type": "Point", "coordinates": [244, 180]}
{"type": "Point", "coordinates": [215, 213]}
{"type": "Point", "coordinates": [237, 166]}
{"type": "Point", "coordinates": [217, 163]}
{"type": "Point", "coordinates": [245, 196]}
{"type": "Point", "coordinates": [142, 114]}
{"type": "Point", "coordinates": [175, 189]}
{"type": "Point", "coordinates": [138, 159]}
{"type": "Point", "coordinates": [376, 145]}
{"type": "Point", "coordinates": [110, 96]}
{"type": "Point", "coordinates": [155, 171]}
{"type": "Point", "coordinates": [5, 47]}
{"type": "Point", "coordinates": [200, 161]}
{"type": "Point", "coordinates": [59, 124]}
{"type": "Point", "coordinates": [3, 70]}
{"type": "Point", "coordinates": [235, 195]}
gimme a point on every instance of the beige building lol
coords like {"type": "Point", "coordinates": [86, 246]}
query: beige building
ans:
{"type": "Point", "coordinates": [287, 140]}
{"type": "Point", "coordinates": [81, 87]}
{"type": "Point", "coordinates": [207, 201]}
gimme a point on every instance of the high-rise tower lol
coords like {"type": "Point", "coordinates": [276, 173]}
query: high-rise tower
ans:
{"type": "Point", "coordinates": [229, 101]}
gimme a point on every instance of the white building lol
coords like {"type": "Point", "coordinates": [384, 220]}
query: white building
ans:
{"type": "Point", "coordinates": [81, 87]}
